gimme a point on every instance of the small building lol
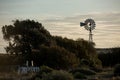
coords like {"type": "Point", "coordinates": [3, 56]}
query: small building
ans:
{"type": "Point", "coordinates": [25, 70]}
{"type": "Point", "coordinates": [28, 69]}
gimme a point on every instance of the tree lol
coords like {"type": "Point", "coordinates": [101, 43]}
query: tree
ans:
{"type": "Point", "coordinates": [81, 48]}
{"type": "Point", "coordinates": [24, 36]}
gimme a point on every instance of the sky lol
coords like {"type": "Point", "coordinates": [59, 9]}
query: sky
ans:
{"type": "Point", "coordinates": [63, 17]}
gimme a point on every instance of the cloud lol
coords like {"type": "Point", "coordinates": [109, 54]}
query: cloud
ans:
{"type": "Point", "coordinates": [106, 33]}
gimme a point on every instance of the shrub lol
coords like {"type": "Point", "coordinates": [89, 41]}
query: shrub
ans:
{"type": "Point", "coordinates": [84, 62]}
{"type": "Point", "coordinates": [84, 71]}
{"type": "Point", "coordinates": [45, 69]}
{"type": "Point", "coordinates": [56, 57]}
{"type": "Point", "coordinates": [117, 70]}
{"type": "Point", "coordinates": [79, 75]}
{"type": "Point", "coordinates": [96, 69]}
{"type": "Point", "coordinates": [58, 75]}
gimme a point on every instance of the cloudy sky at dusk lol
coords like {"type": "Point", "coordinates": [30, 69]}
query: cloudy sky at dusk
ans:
{"type": "Point", "coordinates": [62, 18]}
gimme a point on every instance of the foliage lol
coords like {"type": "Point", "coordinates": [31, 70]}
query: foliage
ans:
{"type": "Point", "coordinates": [84, 71]}
{"type": "Point", "coordinates": [96, 69]}
{"type": "Point", "coordinates": [6, 60]}
{"type": "Point", "coordinates": [111, 58]}
{"type": "Point", "coordinates": [58, 75]}
{"type": "Point", "coordinates": [56, 57]}
{"type": "Point", "coordinates": [45, 69]}
{"type": "Point", "coordinates": [117, 70]}
{"type": "Point", "coordinates": [84, 62]}
{"type": "Point", "coordinates": [78, 75]}
{"type": "Point", "coordinates": [23, 36]}
{"type": "Point", "coordinates": [81, 48]}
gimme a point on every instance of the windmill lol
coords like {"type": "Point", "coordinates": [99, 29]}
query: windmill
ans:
{"type": "Point", "coordinates": [89, 25]}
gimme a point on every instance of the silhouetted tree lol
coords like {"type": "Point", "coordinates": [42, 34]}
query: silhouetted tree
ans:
{"type": "Point", "coordinates": [24, 36]}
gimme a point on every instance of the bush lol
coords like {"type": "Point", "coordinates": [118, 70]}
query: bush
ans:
{"type": "Point", "coordinates": [45, 69]}
{"type": "Point", "coordinates": [117, 70]}
{"type": "Point", "coordinates": [96, 69]}
{"type": "Point", "coordinates": [84, 71]}
{"type": "Point", "coordinates": [56, 57]}
{"type": "Point", "coordinates": [79, 75]}
{"type": "Point", "coordinates": [84, 62]}
{"type": "Point", "coordinates": [58, 75]}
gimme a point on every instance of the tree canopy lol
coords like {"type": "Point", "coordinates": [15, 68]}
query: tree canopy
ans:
{"type": "Point", "coordinates": [23, 36]}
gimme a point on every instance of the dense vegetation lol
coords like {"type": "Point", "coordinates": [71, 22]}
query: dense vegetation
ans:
{"type": "Point", "coordinates": [110, 58]}
{"type": "Point", "coordinates": [29, 40]}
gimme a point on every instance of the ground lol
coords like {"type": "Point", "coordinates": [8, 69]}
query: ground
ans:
{"type": "Point", "coordinates": [106, 74]}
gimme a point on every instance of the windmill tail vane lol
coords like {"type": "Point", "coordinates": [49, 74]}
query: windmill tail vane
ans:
{"type": "Point", "coordinates": [82, 24]}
